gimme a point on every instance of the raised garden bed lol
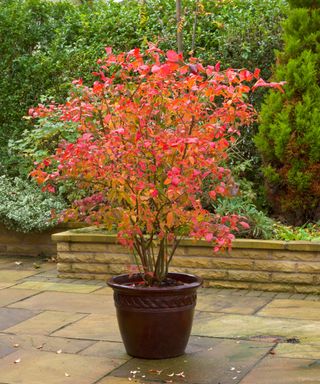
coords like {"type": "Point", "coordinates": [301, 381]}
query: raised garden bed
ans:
{"type": "Point", "coordinates": [251, 264]}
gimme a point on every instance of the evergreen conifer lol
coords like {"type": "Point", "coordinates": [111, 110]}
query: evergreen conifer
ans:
{"type": "Point", "coordinates": [289, 134]}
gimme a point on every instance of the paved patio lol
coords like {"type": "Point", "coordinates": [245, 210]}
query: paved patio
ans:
{"type": "Point", "coordinates": [55, 331]}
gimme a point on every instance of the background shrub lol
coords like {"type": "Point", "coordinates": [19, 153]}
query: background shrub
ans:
{"type": "Point", "coordinates": [24, 207]}
{"type": "Point", "coordinates": [44, 45]}
{"type": "Point", "coordinates": [289, 135]}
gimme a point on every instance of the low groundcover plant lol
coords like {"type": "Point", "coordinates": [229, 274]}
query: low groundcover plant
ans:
{"type": "Point", "coordinates": [151, 130]}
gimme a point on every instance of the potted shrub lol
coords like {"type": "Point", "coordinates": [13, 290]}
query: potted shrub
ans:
{"type": "Point", "coordinates": [149, 132]}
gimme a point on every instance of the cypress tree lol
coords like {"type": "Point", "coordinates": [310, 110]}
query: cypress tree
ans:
{"type": "Point", "coordinates": [289, 133]}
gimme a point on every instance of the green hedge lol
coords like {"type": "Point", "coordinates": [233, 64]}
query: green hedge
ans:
{"type": "Point", "coordinates": [44, 45]}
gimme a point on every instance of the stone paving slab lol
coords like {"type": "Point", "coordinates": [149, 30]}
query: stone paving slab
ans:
{"type": "Point", "coordinates": [45, 323]}
{"type": "Point", "coordinates": [12, 295]}
{"type": "Point", "coordinates": [93, 327]}
{"type": "Point", "coordinates": [38, 367]}
{"type": "Point", "coordinates": [43, 343]}
{"type": "Point", "coordinates": [284, 371]}
{"type": "Point", "coordinates": [68, 302]}
{"type": "Point", "coordinates": [106, 349]}
{"type": "Point", "coordinates": [293, 309]}
{"type": "Point", "coordinates": [5, 350]}
{"type": "Point", "coordinates": [104, 291]}
{"type": "Point", "coordinates": [229, 304]}
{"type": "Point", "coordinates": [29, 264]}
{"type": "Point", "coordinates": [58, 287]}
{"type": "Point", "coordinates": [298, 351]}
{"type": "Point", "coordinates": [209, 362]}
{"type": "Point", "coordinates": [8, 275]}
{"type": "Point", "coordinates": [120, 380]}
{"type": "Point", "coordinates": [6, 285]}
{"type": "Point", "coordinates": [248, 327]}
{"type": "Point", "coordinates": [13, 316]}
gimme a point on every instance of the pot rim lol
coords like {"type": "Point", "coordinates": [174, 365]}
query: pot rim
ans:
{"type": "Point", "coordinates": [192, 282]}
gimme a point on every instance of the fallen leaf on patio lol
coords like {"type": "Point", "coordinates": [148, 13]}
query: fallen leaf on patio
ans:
{"type": "Point", "coordinates": [155, 371]}
{"type": "Point", "coordinates": [17, 361]}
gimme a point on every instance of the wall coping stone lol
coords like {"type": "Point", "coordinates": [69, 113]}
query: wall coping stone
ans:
{"type": "Point", "coordinates": [95, 235]}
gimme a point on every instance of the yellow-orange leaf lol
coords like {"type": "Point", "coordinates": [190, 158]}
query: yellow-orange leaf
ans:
{"type": "Point", "coordinates": [170, 219]}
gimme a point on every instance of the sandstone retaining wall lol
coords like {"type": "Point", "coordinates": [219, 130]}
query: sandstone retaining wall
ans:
{"type": "Point", "coordinates": [18, 244]}
{"type": "Point", "coordinates": [251, 264]}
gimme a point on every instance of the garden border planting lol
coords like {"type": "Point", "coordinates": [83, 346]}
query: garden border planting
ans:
{"type": "Point", "coordinates": [281, 266]}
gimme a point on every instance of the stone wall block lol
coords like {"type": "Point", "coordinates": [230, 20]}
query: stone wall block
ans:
{"type": "Point", "coordinates": [115, 248]}
{"type": "Point", "coordinates": [315, 289]}
{"type": "Point", "coordinates": [64, 267]}
{"type": "Point", "coordinates": [63, 247]}
{"type": "Point", "coordinates": [93, 257]}
{"type": "Point", "coordinates": [88, 247]}
{"type": "Point", "coordinates": [75, 257]}
{"type": "Point", "coordinates": [273, 265]}
{"type": "Point", "coordinates": [198, 251]}
{"type": "Point", "coordinates": [90, 268]}
{"type": "Point", "coordinates": [302, 278]}
{"type": "Point", "coordinates": [311, 267]}
{"type": "Point", "coordinates": [249, 276]}
{"type": "Point", "coordinates": [203, 273]}
{"type": "Point", "coordinates": [117, 269]}
{"type": "Point", "coordinates": [226, 284]}
{"type": "Point", "coordinates": [269, 287]}
{"type": "Point", "coordinates": [214, 262]}
{"type": "Point", "coordinates": [294, 255]}
{"type": "Point", "coordinates": [191, 262]}
{"type": "Point", "coordinates": [231, 263]}
{"type": "Point", "coordinates": [253, 254]}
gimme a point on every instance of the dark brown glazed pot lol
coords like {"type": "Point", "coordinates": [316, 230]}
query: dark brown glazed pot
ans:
{"type": "Point", "coordinates": [155, 322]}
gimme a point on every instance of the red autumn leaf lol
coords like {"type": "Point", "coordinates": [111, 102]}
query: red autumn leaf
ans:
{"type": "Point", "coordinates": [244, 224]}
{"type": "Point", "coordinates": [173, 56]}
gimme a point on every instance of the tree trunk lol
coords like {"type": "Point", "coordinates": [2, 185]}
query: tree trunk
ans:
{"type": "Point", "coordinates": [179, 25]}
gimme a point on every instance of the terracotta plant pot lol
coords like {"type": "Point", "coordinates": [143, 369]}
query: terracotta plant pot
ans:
{"type": "Point", "coordinates": [155, 322]}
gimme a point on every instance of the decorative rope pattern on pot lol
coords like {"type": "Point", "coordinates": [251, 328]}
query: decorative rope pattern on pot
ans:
{"type": "Point", "coordinates": [154, 302]}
